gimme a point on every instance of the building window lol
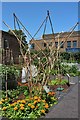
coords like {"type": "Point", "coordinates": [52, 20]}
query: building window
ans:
{"type": "Point", "coordinates": [6, 44]}
{"type": "Point", "coordinates": [68, 44]}
{"type": "Point", "coordinates": [32, 46]}
{"type": "Point", "coordinates": [56, 44]}
{"type": "Point", "coordinates": [61, 44]}
{"type": "Point", "coordinates": [44, 44]}
{"type": "Point", "coordinates": [74, 44]}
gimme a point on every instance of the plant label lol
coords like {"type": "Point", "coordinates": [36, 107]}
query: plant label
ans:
{"type": "Point", "coordinates": [46, 88]}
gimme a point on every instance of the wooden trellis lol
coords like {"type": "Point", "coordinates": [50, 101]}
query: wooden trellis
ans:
{"type": "Point", "coordinates": [52, 55]}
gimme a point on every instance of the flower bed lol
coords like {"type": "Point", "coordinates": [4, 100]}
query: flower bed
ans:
{"type": "Point", "coordinates": [19, 103]}
{"type": "Point", "coordinates": [33, 106]}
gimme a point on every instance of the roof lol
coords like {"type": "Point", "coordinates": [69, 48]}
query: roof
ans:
{"type": "Point", "coordinates": [61, 35]}
{"type": "Point", "coordinates": [5, 32]}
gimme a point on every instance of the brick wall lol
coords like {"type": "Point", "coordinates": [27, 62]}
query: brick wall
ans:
{"type": "Point", "coordinates": [49, 38]}
{"type": "Point", "coordinates": [8, 41]}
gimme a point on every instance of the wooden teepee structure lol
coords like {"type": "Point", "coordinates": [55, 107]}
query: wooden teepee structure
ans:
{"type": "Point", "coordinates": [50, 57]}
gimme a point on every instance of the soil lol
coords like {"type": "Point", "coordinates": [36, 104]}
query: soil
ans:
{"type": "Point", "coordinates": [20, 97]}
{"type": "Point", "coordinates": [54, 87]}
{"type": "Point", "coordinates": [51, 87]}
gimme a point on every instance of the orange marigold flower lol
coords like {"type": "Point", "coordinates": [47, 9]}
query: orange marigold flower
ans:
{"type": "Point", "coordinates": [21, 105]}
{"type": "Point", "coordinates": [35, 97]}
{"type": "Point", "coordinates": [23, 101]}
{"type": "Point", "coordinates": [15, 108]}
{"type": "Point", "coordinates": [46, 106]}
{"type": "Point", "coordinates": [18, 101]}
{"type": "Point", "coordinates": [38, 100]}
{"type": "Point", "coordinates": [36, 107]}
{"type": "Point", "coordinates": [4, 108]}
{"type": "Point", "coordinates": [22, 108]}
{"type": "Point", "coordinates": [53, 93]}
{"type": "Point", "coordinates": [13, 104]}
{"type": "Point", "coordinates": [35, 101]}
{"type": "Point", "coordinates": [0, 102]}
{"type": "Point", "coordinates": [46, 103]}
{"type": "Point", "coordinates": [43, 111]}
{"type": "Point", "coordinates": [32, 106]}
{"type": "Point", "coordinates": [49, 93]}
{"type": "Point", "coordinates": [31, 98]}
{"type": "Point", "coordinates": [29, 104]}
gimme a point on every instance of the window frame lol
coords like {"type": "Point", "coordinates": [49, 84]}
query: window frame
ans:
{"type": "Point", "coordinates": [76, 44]}
{"type": "Point", "coordinates": [68, 46]}
{"type": "Point", "coordinates": [61, 46]}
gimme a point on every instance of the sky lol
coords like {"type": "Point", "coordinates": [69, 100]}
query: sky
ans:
{"type": "Point", "coordinates": [64, 15]}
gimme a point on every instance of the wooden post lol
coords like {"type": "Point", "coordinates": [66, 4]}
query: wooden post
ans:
{"type": "Point", "coordinates": [2, 56]}
{"type": "Point", "coordinates": [6, 83]}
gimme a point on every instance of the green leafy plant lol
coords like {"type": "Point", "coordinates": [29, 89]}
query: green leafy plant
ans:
{"type": "Point", "coordinates": [12, 73]}
{"type": "Point", "coordinates": [58, 82]}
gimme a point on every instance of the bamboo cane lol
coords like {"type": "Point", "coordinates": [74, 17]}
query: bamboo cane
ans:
{"type": "Point", "coordinates": [6, 84]}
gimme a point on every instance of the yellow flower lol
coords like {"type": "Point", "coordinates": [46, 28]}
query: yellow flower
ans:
{"type": "Point", "coordinates": [6, 99]}
{"type": "Point", "coordinates": [32, 106]}
{"type": "Point", "coordinates": [13, 104]}
{"type": "Point", "coordinates": [21, 105]}
{"type": "Point", "coordinates": [35, 97]}
{"type": "Point", "coordinates": [35, 101]}
{"type": "Point", "coordinates": [43, 111]}
{"type": "Point", "coordinates": [43, 101]}
{"type": "Point", "coordinates": [23, 101]}
{"type": "Point", "coordinates": [22, 108]}
{"type": "Point", "coordinates": [18, 101]}
{"type": "Point", "coordinates": [29, 104]}
{"type": "Point", "coordinates": [15, 108]}
{"type": "Point", "coordinates": [0, 102]}
{"type": "Point", "coordinates": [46, 106]}
{"type": "Point", "coordinates": [38, 100]}
{"type": "Point", "coordinates": [4, 108]}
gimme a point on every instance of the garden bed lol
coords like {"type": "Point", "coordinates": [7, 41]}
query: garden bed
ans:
{"type": "Point", "coordinates": [48, 108]}
{"type": "Point", "coordinates": [49, 100]}
{"type": "Point", "coordinates": [19, 104]}
{"type": "Point", "coordinates": [54, 87]}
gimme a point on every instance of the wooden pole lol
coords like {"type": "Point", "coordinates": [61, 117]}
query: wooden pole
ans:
{"type": "Point", "coordinates": [6, 83]}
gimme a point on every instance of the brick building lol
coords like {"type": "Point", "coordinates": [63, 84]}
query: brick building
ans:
{"type": "Point", "coordinates": [72, 44]}
{"type": "Point", "coordinates": [9, 48]}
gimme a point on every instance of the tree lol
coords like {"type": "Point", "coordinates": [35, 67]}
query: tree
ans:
{"type": "Point", "coordinates": [20, 34]}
